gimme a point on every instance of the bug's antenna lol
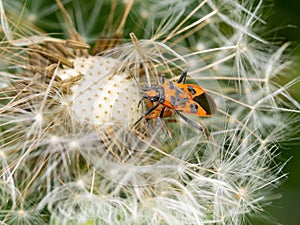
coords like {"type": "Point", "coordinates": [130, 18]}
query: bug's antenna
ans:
{"type": "Point", "coordinates": [132, 75]}
{"type": "Point", "coordinates": [145, 88]}
{"type": "Point", "coordinates": [163, 78]}
{"type": "Point", "coordinates": [182, 77]}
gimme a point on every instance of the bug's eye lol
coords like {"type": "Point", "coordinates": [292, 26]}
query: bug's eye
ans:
{"type": "Point", "coordinates": [193, 108]}
{"type": "Point", "coordinates": [191, 90]}
{"type": "Point", "coordinates": [154, 99]}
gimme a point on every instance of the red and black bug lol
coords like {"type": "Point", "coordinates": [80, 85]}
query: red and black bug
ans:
{"type": "Point", "coordinates": [180, 97]}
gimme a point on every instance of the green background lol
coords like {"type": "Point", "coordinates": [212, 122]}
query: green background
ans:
{"type": "Point", "coordinates": [285, 15]}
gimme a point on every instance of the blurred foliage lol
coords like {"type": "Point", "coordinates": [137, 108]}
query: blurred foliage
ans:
{"type": "Point", "coordinates": [285, 21]}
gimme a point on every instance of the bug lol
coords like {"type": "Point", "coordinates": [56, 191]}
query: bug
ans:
{"type": "Point", "coordinates": [178, 96]}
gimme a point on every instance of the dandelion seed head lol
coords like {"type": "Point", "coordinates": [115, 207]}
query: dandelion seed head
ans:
{"type": "Point", "coordinates": [2, 154]}
{"type": "Point", "coordinates": [200, 46]}
{"type": "Point", "coordinates": [39, 118]}
{"type": "Point", "coordinates": [242, 192]}
{"type": "Point", "coordinates": [32, 18]}
{"type": "Point", "coordinates": [242, 46]}
{"type": "Point", "coordinates": [144, 13]}
{"type": "Point", "coordinates": [54, 140]}
{"type": "Point", "coordinates": [81, 66]}
{"type": "Point", "coordinates": [102, 97]}
{"type": "Point", "coordinates": [126, 1]}
{"type": "Point", "coordinates": [23, 216]}
{"type": "Point", "coordinates": [73, 144]}
{"type": "Point", "coordinates": [21, 212]}
{"type": "Point", "coordinates": [264, 142]}
{"type": "Point", "coordinates": [80, 183]}
{"type": "Point", "coordinates": [93, 166]}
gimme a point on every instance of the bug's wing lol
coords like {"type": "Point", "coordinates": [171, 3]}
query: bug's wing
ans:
{"type": "Point", "coordinates": [183, 102]}
{"type": "Point", "coordinates": [191, 107]}
{"type": "Point", "coordinates": [191, 89]}
{"type": "Point", "coordinates": [206, 102]}
{"type": "Point", "coordinates": [200, 96]}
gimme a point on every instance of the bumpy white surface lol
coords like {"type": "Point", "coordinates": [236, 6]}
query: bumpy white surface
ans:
{"type": "Point", "coordinates": [102, 97]}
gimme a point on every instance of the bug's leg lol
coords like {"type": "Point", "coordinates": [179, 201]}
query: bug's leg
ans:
{"type": "Point", "coordinates": [145, 114]}
{"type": "Point", "coordinates": [196, 125]}
{"type": "Point", "coordinates": [182, 77]}
{"type": "Point", "coordinates": [161, 115]}
{"type": "Point", "coordinates": [163, 78]}
{"type": "Point", "coordinates": [140, 101]}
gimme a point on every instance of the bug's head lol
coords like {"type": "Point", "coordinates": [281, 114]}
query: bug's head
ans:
{"type": "Point", "coordinates": [152, 95]}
